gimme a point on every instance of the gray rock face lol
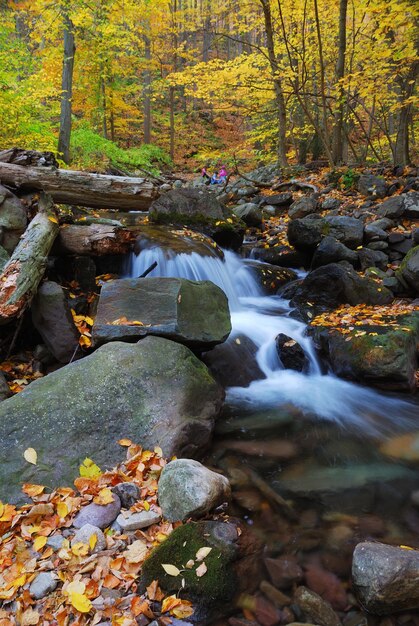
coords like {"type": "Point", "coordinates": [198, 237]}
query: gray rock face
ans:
{"type": "Point", "coordinates": [280, 199]}
{"type": "Point", "coordinates": [372, 258]}
{"type": "Point", "coordinates": [98, 515]}
{"type": "Point", "coordinates": [411, 205]}
{"type": "Point", "coordinates": [128, 493]}
{"type": "Point", "coordinates": [302, 207]}
{"type": "Point", "coordinates": [84, 535]}
{"type": "Point", "coordinates": [190, 206]}
{"type": "Point", "coordinates": [194, 313]}
{"type": "Point", "coordinates": [391, 208]}
{"type": "Point", "coordinates": [4, 257]}
{"type": "Point", "coordinates": [42, 585]}
{"type": "Point", "coordinates": [13, 218]}
{"type": "Point", "coordinates": [338, 283]}
{"type": "Point", "coordinates": [306, 233]}
{"type": "Point", "coordinates": [374, 186]}
{"type": "Point", "coordinates": [155, 392]}
{"type": "Point", "coordinates": [271, 277]}
{"type": "Point", "coordinates": [409, 269]}
{"type": "Point", "coordinates": [250, 213]}
{"type": "Point", "coordinates": [233, 364]}
{"type": "Point", "coordinates": [134, 521]}
{"type": "Point", "coordinates": [332, 251]}
{"type": "Point", "coordinates": [189, 489]}
{"type": "Point", "coordinates": [385, 578]}
{"type": "Point", "coordinates": [52, 318]}
{"type": "Point", "coordinates": [4, 388]}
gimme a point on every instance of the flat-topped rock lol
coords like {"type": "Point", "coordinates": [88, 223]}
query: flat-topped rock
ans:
{"type": "Point", "coordinates": [194, 313]}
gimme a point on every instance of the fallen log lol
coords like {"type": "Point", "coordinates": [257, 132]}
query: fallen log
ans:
{"type": "Point", "coordinates": [93, 239]}
{"type": "Point", "coordinates": [24, 271]}
{"type": "Point", "coordinates": [83, 188]}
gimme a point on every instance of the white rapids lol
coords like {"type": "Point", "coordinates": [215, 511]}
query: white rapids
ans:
{"type": "Point", "coordinates": [262, 318]}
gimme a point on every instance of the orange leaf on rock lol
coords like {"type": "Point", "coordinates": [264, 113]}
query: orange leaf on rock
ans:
{"type": "Point", "coordinates": [105, 496]}
{"type": "Point", "coordinates": [169, 603]}
{"type": "Point", "coordinates": [32, 490]}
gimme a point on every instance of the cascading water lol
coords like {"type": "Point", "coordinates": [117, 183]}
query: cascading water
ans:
{"type": "Point", "coordinates": [261, 318]}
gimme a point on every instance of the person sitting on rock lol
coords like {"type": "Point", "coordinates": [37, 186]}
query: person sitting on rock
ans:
{"type": "Point", "coordinates": [222, 175]}
{"type": "Point", "coordinates": [205, 175]}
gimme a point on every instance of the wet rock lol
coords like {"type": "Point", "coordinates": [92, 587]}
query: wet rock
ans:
{"type": "Point", "coordinates": [188, 489]}
{"type": "Point", "coordinates": [186, 206]}
{"type": "Point", "coordinates": [42, 585]}
{"type": "Point", "coordinates": [279, 199]}
{"type": "Point", "coordinates": [284, 256]}
{"type": "Point", "coordinates": [276, 596]}
{"type": "Point", "coordinates": [374, 186]}
{"type": "Point", "coordinates": [402, 447]}
{"type": "Point", "coordinates": [291, 353]}
{"type": "Point", "coordinates": [372, 258]}
{"type": "Point", "coordinates": [271, 277]}
{"type": "Point", "coordinates": [330, 250]}
{"type": "Point", "coordinates": [86, 533]}
{"type": "Point", "coordinates": [52, 318]}
{"type": "Point", "coordinates": [156, 393]}
{"type": "Point", "coordinates": [373, 232]}
{"type": "Point", "coordinates": [284, 571]}
{"type": "Point", "coordinates": [134, 521]}
{"type": "Point", "coordinates": [98, 515]}
{"type": "Point", "coordinates": [233, 364]}
{"type": "Point", "coordinates": [281, 449]}
{"type": "Point", "coordinates": [306, 233]}
{"type": "Point", "coordinates": [4, 388]}
{"type": "Point", "coordinates": [303, 207]}
{"type": "Point", "coordinates": [329, 204]}
{"type": "Point", "coordinates": [386, 578]}
{"type": "Point", "coordinates": [250, 213]}
{"type": "Point", "coordinates": [409, 269]}
{"type": "Point", "coordinates": [378, 245]}
{"type": "Point", "coordinates": [266, 421]}
{"type": "Point", "coordinates": [337, 283]}
{"type": "Point", "coordinates": [212, 594]}
{"type": "Point", "coordinates": [55, 542]}
{"type": "Point", "coordinates": [327, 585]}
{"type": "Point", "coordinates": [194, 313]}
{"type": "Point", "coordinates": [128, 493]}
{"type": "Point", "coordinates": [315, 608]}
{"type": "Point", "coordinates": [13, 219]}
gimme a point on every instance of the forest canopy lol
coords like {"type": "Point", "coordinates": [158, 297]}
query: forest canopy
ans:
{"type": "Point", "coordinates": [102, 80]}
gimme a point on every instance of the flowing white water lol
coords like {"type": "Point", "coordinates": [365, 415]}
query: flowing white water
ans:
{"type": "Point", "coordinates": [262, 318]}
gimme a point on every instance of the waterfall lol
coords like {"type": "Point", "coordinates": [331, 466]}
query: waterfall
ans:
{"type": "Point", "coordinates": [262, 318]}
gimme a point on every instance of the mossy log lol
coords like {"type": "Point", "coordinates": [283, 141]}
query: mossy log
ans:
{"type": "Point", "coordinates": [83, 188]}
{"type": "Point", "coordinates": [24, 271]}
{"type": "Point", "coordinates": [93, 239]}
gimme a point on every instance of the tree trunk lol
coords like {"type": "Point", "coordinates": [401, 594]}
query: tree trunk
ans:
{"type": "Point", "coordinates": [340, 73]}
{"type": "Point", "coordinates": [147, 90]}
{"type": "Point", "coordinates": [83, 188]}
{"type": "Point", "coordinates": [66, 91]}
{"type": "Point", "coordinates": [25, 269]}
{"type": "Point", "coordinates": [279, 95]}
{"type": "Point", "coordinates": [172, 121]}
{"type": "Point", "coordinates": [94, 240]}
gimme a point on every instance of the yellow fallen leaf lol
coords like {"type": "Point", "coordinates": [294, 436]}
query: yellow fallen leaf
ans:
{"type": "Point", "coordinates": [92, 541]}
{"type": "Point", "coordinates": [172, 570]}
{"type": "Point", "coordinates": [80, 602]}
{"type": "Point", "coordinates": [32, 490]}
{"type": "Point", "coordinates": [18, 582]}
{"type": "Point", "coordinates": [169, 603]}
{"type": "Point", "coordinates": [105, 496]}
{"type": "Point", "coordinates": [80, 549]}
{"type": "Point", "coordinates": [1, 508]}
{"type": "Point", "coordinates": [62, 510]}
{"type": "Point", "coordinates": [125, 442]}
{"type": "Point", "coordinates": [76, 586]}
{"type": "Point", "coordinates": [52, 218]}
{"type": "Point", "coordinates": [39, 543]}
{"type": "Point", "coordinates": [90, 469]}
{"type": "Point", "coordinates": [30, 455]}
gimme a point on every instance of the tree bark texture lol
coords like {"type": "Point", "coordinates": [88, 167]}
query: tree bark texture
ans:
{"type": "Point", "coordinates": [340, 73]}
{"type": "Point", "coordinates": [66, 91]}
{"type": "Point", "coordinates": [83, 188]}
{"type": "Point", "coordinates": [93, 240]}
{"type": "Point", "coordinates": [24, 271]}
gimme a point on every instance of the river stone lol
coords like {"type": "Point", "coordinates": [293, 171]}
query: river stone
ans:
{"type": "Point", "coordinates": [330, 250]}
{"type": "Point", "coordinates": [315, 608]}
{"type": "Point", "coordinates": [194, 313]}
{"type": "Point", "coordinates": [386, 578]}
{"type": "Point", "coordinates": [12, 212]}
{"type": "Point", "coordinates": [307, 232]}
{"type": "Point", "coordinates": [128, 493]}
{"type": "Point", "coordinates": [409, 269]}
{"type": "Point", "coordinates": [186, 206]}
{"type": "Point", "coordinates": [134, 521]}
{"type": "Point", "coordinates": [233, 363]}
{"type": "Point", "coordinates": [188, 489]}
{"type": "Point", "coordinates": [52, 318]}
{"type": "Point", "coordinates": [291, 353]}
{"type": "Point", "coordinates": [250, 213]}
{"type": "Point", "coordinates": [98, 515]}
{"type": "Point", "coordinates": [86, 532]}
{"type": "Point", "coordinates": [42, 585]}
{"type": "Point", "coordinates": [391, 208]}
{"type": "Point", "coordinates": [386, 358]}
{"type": "Point", "coordinates": [302, 207]}
{"type": "Point", "coordinates": [279, 199]}
{"type": "Point", "coordinates": [156, 393]}
{"type": "Point", "coordinates": [411, 205]}
{"type": "Point", "coordinates": [271, 277]}
{"type": "Point", "coordinates": [374, 186]}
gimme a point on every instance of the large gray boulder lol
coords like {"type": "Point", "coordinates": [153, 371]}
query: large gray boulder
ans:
{"type": "Point", "coordinates": [408, 272]}
{"type": "Point", "coordinates": [330, 250]}
{"type": "Point", "coordinates": [250, 213]}
{"type": "Point", "coordinates": [373, 186]}
{"type": "Point", "coordinates": [52, 318]}
{"type": "Point", "coordinates": [13, 219]}
{"type": "Point", "coordinates": [186, 206]}
{"type": "Point", "coordinates": [194, 313]}
{"type": "Point", "coordinates": [303, 207]}
{"type": "Point", "coordinates": [189, 489]}
{"type": "Point", "coordinates": [406, 205]}
{"type": "Point", "coordinates": [307, 232]}
{"type": "Point", "coordinates": [155, 392]}
{"type": "Point", "coordinates": [386, 578]}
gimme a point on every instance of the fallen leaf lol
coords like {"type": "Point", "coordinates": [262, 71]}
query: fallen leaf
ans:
{"type": "Point", "coordinates": [202, 553]}
{"type": "Point", "coordinates": [105, 496]}
{"type": "Point", "coordinates": [32, 490]}
{"type": "Point", "coordinates": [39, 543]}
{"type": "Point", "coordinates": [30, 617]}
{"type": "Point", "coordinates": [172, 570]}
{"type": "Point", "coordinates": [125, 442]}
{"type": "Point", "coordinates": [62, 510]}
{"type": "Point", "coordinates": [201, 570]}
{"type": "Point", "coordinates": [169, 603]}
{"type": "Point", "coordinates": [30, 455]}
{"type": "Point", "coordinates": [136, 552]}
{"type": "Point", "coordinates": [80, 602]}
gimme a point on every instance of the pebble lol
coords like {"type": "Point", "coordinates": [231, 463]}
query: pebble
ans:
{"type": "Point", "coordinates": [42, 585]}
{"type": "Point", "coordinates": [128, 493]}
{"type": "Point", "coordinates": [98, 515]}
{"type": "Point", "coordinates": [55, 542]}
{"type": "Point", "coordinates": [135, 521]}
{"type": "Point", "coordinates": [315, 608]}
{"type": "Point", "coordinates": [84, 534]}
{"type": "Point", "coordinates": [284, 571]}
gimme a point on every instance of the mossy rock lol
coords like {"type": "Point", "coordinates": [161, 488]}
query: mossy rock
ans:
{"type": "Point", "coordinates": [211, 593]}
